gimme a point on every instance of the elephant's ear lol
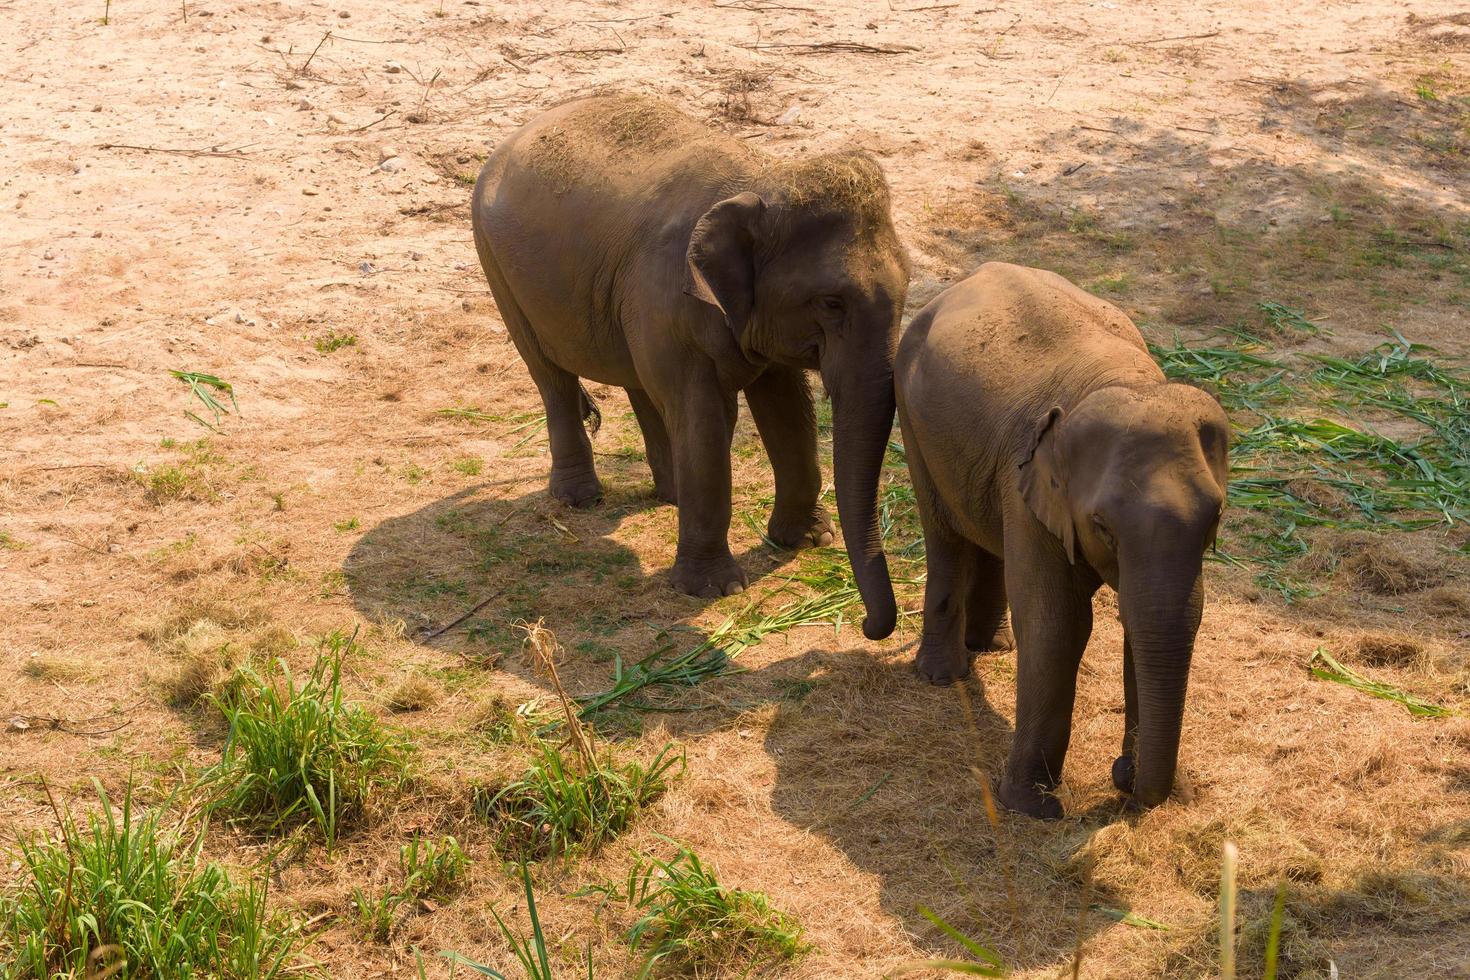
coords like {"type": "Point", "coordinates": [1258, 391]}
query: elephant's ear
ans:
{"type": "Point", "coordinates": [721, 258]}
{"type": "Point", "coordinates": [1044, 483]}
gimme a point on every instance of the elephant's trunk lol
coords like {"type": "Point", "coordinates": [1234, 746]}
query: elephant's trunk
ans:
{"type": "Point", "coordinates": [862, 419]}
{"type": "Point", "coordinates": [1161, 605]}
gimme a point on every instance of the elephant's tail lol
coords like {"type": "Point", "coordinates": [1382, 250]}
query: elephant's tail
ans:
{"type": "Point", "coordinates": [591, 414]}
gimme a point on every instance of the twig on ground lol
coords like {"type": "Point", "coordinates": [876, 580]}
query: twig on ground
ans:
{"type": "Point", "coordinates": [460, 619]}
{"type": "Point", "coordinates": [823, 47]}
{"type": "Point", "coordinates": [1177, 37]}
{"type": "Point", "coordinates": [236, 152]}
{"type": "Point", "coordinates": [307, 63]}
{"type": "Point", "coordinates": [375, 121]}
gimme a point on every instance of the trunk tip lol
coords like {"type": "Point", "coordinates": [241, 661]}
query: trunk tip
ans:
{"type": "Point", "coordinates": [879, 623]}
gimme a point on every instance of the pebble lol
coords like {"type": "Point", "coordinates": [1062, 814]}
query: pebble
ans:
{"type": "Point", "coordinates": [366, 268]}
{"type": "Point", "coordinates": [416, 256]}
{"type": "Point", "coordinates": [48, 255]}
{"type": "Point", "coordinates": [391, 165]}
{"type": "Point", "coordinates": [310, 191]}
{"type": "Point", "coordinates": [305, 104]}
{"type": "Point", "coordinates": [393, 68]}
{"type": "Point", "coordinates": [294, 85]}
{"type": "Point", "coordinates": [789, 116]}
{"type": "Point", "coordinates": [386, 152]}
{"type": "Point", "coordinates": [337, 118]}
{"type": "Point", "coordinates": [343, 14]}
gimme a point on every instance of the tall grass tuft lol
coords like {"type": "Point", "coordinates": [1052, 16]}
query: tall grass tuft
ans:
{"type": "Point", "coordinates": [691, 923]}
{"type": "Point", "coordinates": [530, 952]}
{"type": "Point", "coordinates": [299, 754]}
{"type": "Point", "coordinates": [124, 893]}
{"type": "Point", "coordinates": [562, 806]}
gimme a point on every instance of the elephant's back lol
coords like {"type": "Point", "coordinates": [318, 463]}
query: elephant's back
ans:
{"type": "Point", "coordinates": [1007, 328]}
{"type": "Point", "coordinates": [612, 144]}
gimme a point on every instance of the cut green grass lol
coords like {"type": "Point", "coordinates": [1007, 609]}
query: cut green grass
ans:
{"type": "Point", "coordinates": [1293, 472]}
{"type": "Point", "coordinates": [125, 891]}
{"type": "Point", "coordinates": [299, 754]}
{"type": "Point", "coordinates": [690, 923]}
{"type": "Point", "coordinates": [1325, 667]}
{"type": "Point", "coordinates": [668, 668]}
{"type": "Point", "coordinates": [561, 806]}
{"type": "Point", "coordinates": [206, 387]}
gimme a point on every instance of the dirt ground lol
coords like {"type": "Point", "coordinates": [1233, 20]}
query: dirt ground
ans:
{"type": "Point", "coordinates": [1187, 161]}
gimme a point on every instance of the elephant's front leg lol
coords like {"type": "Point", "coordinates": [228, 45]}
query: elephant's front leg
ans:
{"type": "Point", "coordinates": [1051, 615]}
{"type": "Point", "coordinates": [780, 401]}
{"type": "Point", "coordinates": [701, 420]}
{"type": "Point", "coordinates": [1125, 767]}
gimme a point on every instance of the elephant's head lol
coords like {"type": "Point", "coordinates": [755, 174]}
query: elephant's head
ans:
{"type": "Point", "coordinates": [809, 272]}
{"type": "Point", "coordinates": [1132, 481]}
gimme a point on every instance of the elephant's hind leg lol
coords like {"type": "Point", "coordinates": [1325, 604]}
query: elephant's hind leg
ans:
{"type": "Point", "coordinates": [985, 605]}
{"type": "Point", "coordinates": [573, 475]}
{"type": "Point", "coordinates": [942, 657]}
{"type": "Point", "coordinates": [655, 445]}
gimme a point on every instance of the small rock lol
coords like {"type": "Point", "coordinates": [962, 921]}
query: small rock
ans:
{"type": "Point", "coordinates": [393, 68]}
{"type": "Point", "coordinates": [416, 256]}
{"type": "Point", "coordinates": [391, 165]}
{"type": "Point", "coordinates": [97, 107]}
{"type": "Point", "coordinates": [366, 268]}
{"type": "Point", "coordinates": [343, 14]}
{"type": "Point", "coordinates": [114, 548]}
{"type": "Point", "coordinates": [310, 191]}
{"type": "Point", "coordinates": [386, 152]}
{"type": "Point", "coordinates": [48, 255]}
{"type": "Point", "coordinates": [305, 104]}
{"type": "Point", "coordinates": [294, 85]}
{"type": "Point", "coordinates": [272, 325]}
{"type": "Point", "coordinates": [789, 117]}
{"type": "Point", "coordinates": [96, 234]}
{"type": "Point", "coordinates": [337, 118]}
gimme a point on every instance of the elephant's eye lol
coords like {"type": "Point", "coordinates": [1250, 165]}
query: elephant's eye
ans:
{"type": "Point", "coordinates": [831, 304]}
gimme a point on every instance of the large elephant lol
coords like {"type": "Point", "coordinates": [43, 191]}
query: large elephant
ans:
{"type": "Point", "coordinates": [1049, 455]}
{"type": "Point", "coordinates": [628, 244]}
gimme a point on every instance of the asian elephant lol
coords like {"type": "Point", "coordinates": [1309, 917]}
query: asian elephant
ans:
{"type": "Point", "coordinates": [630, 245]}
{"type": "Point", "coordinates": [1050, 455]}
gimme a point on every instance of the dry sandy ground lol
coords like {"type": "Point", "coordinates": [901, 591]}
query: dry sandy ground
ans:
{"type": "Point", "coordinates": [1189, 160]}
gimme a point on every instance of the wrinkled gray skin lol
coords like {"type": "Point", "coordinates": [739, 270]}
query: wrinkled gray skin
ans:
{"type": "Point", "coordinates": [1049, 455]}
{"type": "Point", "coordinates": [629, 245]}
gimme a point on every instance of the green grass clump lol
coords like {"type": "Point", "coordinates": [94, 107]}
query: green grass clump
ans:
{"type": "Point", "coordinates": [299, 754]}
{"type": "Point", "coordinates": [430, 869]}
{"type": "Point", "coordinates": [690, 922]}
{"type": "Point", "coordinates": [563, 805]}
{"type": "Point", "coordinates": [125, 892]}
{"type": "Point", "coordinates": [531, 952]}
{"type": "Point", "coordinates": [332, 341]}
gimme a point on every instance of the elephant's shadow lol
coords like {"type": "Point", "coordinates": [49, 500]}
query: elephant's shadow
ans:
{"type": "Point", "coordinates": [867, 757]}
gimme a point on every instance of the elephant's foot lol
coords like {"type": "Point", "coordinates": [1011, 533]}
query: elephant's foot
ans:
{"type": "Point", "coordinates": [579, 488]}
{"type": "Point", "coordinates": [801, 529]}
{"type": "Point", "coordinates": [1000, 640]}
{"type": "Point", "coordinates": [1124, 773]}
{"type": "Point", "coordinates": [664, 491]}
{"type": "Point", "coordinates": [940, 664]}
{"type": "Point", "coordinates": [709, 578]}
{"type": "Point", "coordinates": [1030, 799]}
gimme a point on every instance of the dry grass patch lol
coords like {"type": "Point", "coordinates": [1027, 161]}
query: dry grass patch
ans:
{"type": "Point", "coordinates": [57, 668]}
{"type": "Point", "coordinates": [413, 693]}
{"type": "Point", "coordinates": [204, 643]}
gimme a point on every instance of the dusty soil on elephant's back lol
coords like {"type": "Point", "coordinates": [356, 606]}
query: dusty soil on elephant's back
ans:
{"type": "Point", "coordinates": [209, 194]}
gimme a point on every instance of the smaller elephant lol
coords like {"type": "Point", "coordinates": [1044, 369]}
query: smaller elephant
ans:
{"type": "Point", "coordinates": [1049, 455]}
